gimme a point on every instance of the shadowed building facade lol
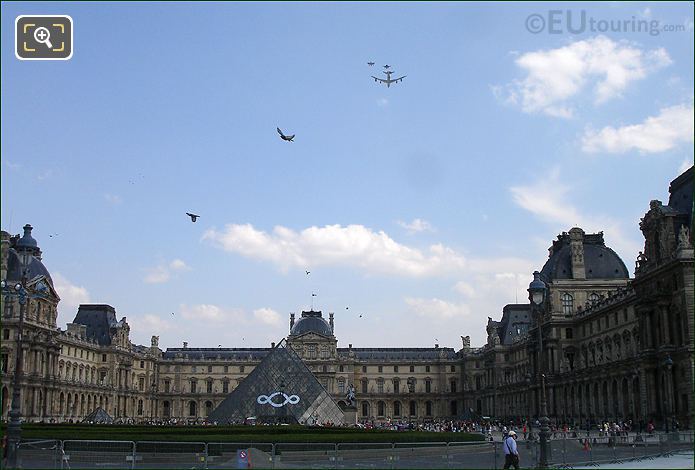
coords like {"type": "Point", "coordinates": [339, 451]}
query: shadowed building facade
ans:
{"type": "Point", "coordinates": [615, 347]}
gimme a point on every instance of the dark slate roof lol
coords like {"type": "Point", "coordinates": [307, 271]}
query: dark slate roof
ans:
{"type": "Point", "coordinates": [14, 268]}
{"type": "Point", "coordinates": [26, 243]}
{"type": "Point", "coordinates": [600, 262]}
{"type": "Point", "coordinates": [681, 194]}
{"type": "Point", "coordinates": [99, 319]}
{"type": "Point", "coordinates": [228, 354]}
{"type": "Point", "coordinates": [516, 319]}
{"type": "Point", "coordinates": [397, 354]}
{"type": "Point", "coordinates": [311, 322]}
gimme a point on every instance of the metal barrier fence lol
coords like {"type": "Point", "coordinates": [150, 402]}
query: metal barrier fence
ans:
{"type": "Point", "coordinates": [564, 452]}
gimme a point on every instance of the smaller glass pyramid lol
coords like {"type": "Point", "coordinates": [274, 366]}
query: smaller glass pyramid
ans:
{"type": "Point", "coordinates": [281, 389]}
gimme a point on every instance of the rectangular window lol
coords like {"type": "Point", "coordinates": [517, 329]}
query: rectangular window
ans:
{"type": "Point", "coordinates": [396, 386]}
{"type": "Point", "coordinates": [395, 368]}
{"type": "Point", "coordinates": [142, 364]}
{"type": "Point", "coordinates": [141, 384]}
{"type": "Point", "coordinates": [341, 368]}
{"type": "Point", "coordinates": [5, 362]}
{"type": "Point", "coordinates": [102, 377]}
{"type": "Point", "coordinates": [241, 369]}
{"type": "Point", "coordinates": [427, 368]}
{"type": "Point", "coordinates": [412, 368]}
{"type": "Point", "coordinates": [225, 386]}
{"type": "Point", "coordinates": [194, 386]}
{"type": "Point", "coordinates": [381, 369]}
{"type": "Point", "coordinates": [209, 368]}
{"type": "Point", "coordinates": [311, 351]}
{"type": "Point", "coordinates": [568, 333]}
{"type": "Point", "coordinates": [5, 334]}
{"type": "Point", "coordinates": [103, 357]}
{"type": "Point", "coordinates": [226, 369]}
{"type": "Point", "coordinates": [341, 387]}
{"type": "Point", "coordinates": [428, 386]}
{"type": "Point", "coordinates": [453, 386]}
{"type": "Point", "coordinates": [167, 386]}
{"type": "Point", "coordinates": [365, 386]}
{"type": "Point", "coordinates": [364, 368]}
{"type": "Point", "coordinates": [380, 386]}
{"type": "Point", "coordinates": [209, 386]}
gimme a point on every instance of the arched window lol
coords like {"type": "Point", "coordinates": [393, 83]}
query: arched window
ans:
{"type": "Point", "coordinates": [167, 409]}
{"type": "Point", "coordinates": [396, 408]}
{"type": "Point", "coordinates": [594, 298]}
{"type": "Point", "coordinates": [411, 384]}
{"type": "Point", "coordinates": [365, 408]}
{"type": "Point", "coordinates": [428, 385]}
{"type": "Point", "coordinates": [454, 408]}
{"type": "Point", "coordinates": [396, 386]}
{"type": "Point", "coordinates": [413, 408]}
{"type": "Point", "coordinates": [194, 386]}
{"type": "Point", "coordinates": [341, 386]}
{"type": "Point", "coordinates": [365, 385]}
{"type": "Point", "coordinates": [191, 408]}
{"type": "Point", "coordinates": [428, 408]}
{"type": "Point", "coordinates": [381, 408]}
{"type": "Point", "coordinates": [139, 407]}
{"type": "Point", "coordinates": [567, 304]}
{"type": "Point", "coordinates": [208, 408]}
{"type": "Point", "coordinates": [380, 385]}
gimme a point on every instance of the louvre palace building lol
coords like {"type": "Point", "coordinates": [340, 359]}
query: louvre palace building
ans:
{"type": "Point", "coordinates": [610, 346]}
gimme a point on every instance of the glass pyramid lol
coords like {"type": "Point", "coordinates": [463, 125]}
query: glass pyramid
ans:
{"type": "Point", "coordinates": [281, 389]}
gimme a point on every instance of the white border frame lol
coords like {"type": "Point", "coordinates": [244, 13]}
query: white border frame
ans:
{"type": "Point", "coordinates": [72, 33]}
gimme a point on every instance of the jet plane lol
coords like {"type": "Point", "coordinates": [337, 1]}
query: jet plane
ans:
{"type": "Point", "coordinates": [370, 63]}
{"type": "Point", "coordinates": [388, 81]}
{"type": "Point", "coordinates": [387, 66]}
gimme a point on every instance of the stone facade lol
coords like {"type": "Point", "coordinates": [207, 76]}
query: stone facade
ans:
{"type": "Point", "coordinates": [613, 347]}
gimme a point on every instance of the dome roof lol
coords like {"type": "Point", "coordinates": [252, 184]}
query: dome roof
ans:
{"type": "Point", "coordinates": [25, 245]}
{"type": "Point", "coordinates": [600, 262]}
{"type": "Point", "coordinates": [311, 322]}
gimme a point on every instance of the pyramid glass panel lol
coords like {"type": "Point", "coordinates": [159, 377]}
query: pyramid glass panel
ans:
{"type": "Point", "coordinates": [281, 389]}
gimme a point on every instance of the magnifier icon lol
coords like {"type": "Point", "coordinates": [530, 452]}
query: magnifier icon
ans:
{"type": "Point", "coordinates": [43, 35]}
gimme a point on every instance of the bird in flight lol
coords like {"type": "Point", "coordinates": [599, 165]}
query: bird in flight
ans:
{"type": "Point", "coordinates": [347, 308]}
{"type": "Point", "coordinates": [307, 272]}
{"type": "Point", "coordinates": [53, 235]}
{"type": "Point", "coordinates": [387, 66]}
{"type": "Point", "coordinates": [288, 138]}
{"type": "Point", "coordinates": [360, 315]}
{"type": "Point", "coordinates": [193, 217]}
{"type": "Point", "coordinates": [172, 314]}
{"type": "Point", "coordinates": [370, 63]}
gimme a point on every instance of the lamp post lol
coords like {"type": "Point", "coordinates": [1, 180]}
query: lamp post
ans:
{"type": "Point", "coordinates": [668, 363]}
{"type": "Point", "coordinates": [14, 428]}
{"type": "Point", "coordinates": [528, 398]}
{"type": "Point", "coordinates": [537, 292]}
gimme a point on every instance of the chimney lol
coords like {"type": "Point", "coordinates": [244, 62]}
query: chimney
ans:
{"type": "Point", "coordinates": [577, 250]}
{"type": "Point", "coordinates": [185, 345]}
{"type": "Point", "coordinates": [436, 346]}
{"type": "Point", "coordinates": [330, 321]}
{"type": "Point", "coordinates": [272, 345]}
{"type": "Point", "coordinates": [350, 346]}
{"type": "Point", "coordinates": [291, 320]}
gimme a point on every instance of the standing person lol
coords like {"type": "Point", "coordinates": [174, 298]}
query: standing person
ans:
{"type": "Point", "coordinates": [511, 454]}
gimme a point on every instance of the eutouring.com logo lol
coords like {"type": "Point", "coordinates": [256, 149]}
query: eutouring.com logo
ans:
{"type": "Point", "coordinates": [578, 22]}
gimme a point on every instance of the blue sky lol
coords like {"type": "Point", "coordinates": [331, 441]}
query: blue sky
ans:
{"type": "Point", "coordinates": [423, 207]}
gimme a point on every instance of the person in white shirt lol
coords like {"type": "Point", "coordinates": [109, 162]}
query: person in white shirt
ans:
{"type": "Point", "coordinates": [511, 454]}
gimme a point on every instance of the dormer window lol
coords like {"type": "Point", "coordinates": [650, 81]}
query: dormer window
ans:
{"type": "Point", "coordinates": [567, 303]}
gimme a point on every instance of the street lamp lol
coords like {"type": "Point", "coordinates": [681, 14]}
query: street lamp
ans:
{"type": "Point", "coordinates": [537, 292]}
{"type": "Point", "coordinates": [528, 398]}
{"type": "Point", "coordinates": [14, 428]}
{"type": "Point", "coordinates": [668, 363]}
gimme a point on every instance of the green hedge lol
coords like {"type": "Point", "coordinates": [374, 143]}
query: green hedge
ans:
{"type": "Point", "coordinates": [259, 434]}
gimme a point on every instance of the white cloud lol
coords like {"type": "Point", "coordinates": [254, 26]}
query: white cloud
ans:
{"type": "Point", "coordinates": [464, 289]}
{"type": "Point", "coordinates": [548, 200]}
{"type": "Point", "coordinates": [555, 76]}
{"type": "Point", "coordinates": [208, 312]}
{"type": "Point", "coordinates": [164, 272]}
{"type": "Point", "coordinates": [113, 199]}
{"type": "Point", "coordinates": [685, 164]}
{"type": "Point", "coordinates": [416, 226]}
{"type": "Point", "coordinates": [334, 245]}
{"type": "Point", "coordinates": [382, 102]}
{"type": "Point", "coordinates": [71, 296]}
{"type": "Point", "coordinates": [268, 316]}
{"type": "Point", "coordinates": [437, 309]}
{"type": "Point", "coordinates": [148, 324]}
{"type": "Point", "coordinates": [672, 126]}
{"type": "Point", "coordinates": [11, 165]}
{"type": "Point", "coordinates": [46, 174]}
